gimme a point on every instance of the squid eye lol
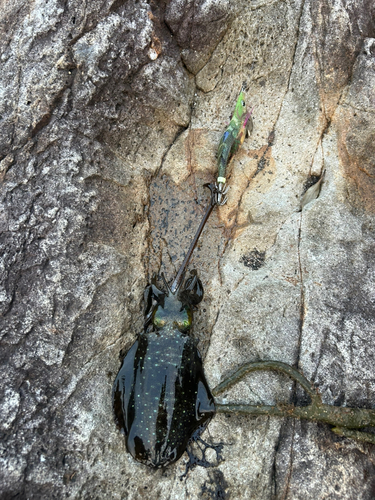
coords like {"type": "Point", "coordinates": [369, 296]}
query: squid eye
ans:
{"type": "Point", "coordinates": [183, 326]}
{"type": "Point", "coordinates": [185, 320]}
{"type": "Point", "coordinates": [243, 103]}
{"type": "Point", "coordinates": [159, 319]}
{"type": "Point", "coordinates": [159, 323]}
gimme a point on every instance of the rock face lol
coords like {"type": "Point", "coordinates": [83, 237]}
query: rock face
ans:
{"type": "Point", "coordinates": [110, 115]}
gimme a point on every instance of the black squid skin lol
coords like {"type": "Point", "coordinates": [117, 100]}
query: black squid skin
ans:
{"type": "Point", "coordinates": [160, 395]}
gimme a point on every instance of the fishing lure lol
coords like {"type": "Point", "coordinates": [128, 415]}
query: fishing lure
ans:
{"type": "Point", "coordinates": [240, 125]}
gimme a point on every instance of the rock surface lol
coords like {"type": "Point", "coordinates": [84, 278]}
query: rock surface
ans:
{"type": "Point", "coordinates": [110, 117]}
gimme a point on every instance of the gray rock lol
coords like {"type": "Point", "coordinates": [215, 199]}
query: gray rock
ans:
{"type": "Point", "coordinates": [110, 117]}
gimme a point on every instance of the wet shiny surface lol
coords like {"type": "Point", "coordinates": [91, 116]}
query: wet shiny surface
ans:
{"type": "Point", "coordinates": [160, 396]}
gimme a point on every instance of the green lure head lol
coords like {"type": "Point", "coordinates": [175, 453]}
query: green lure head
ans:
{"type": "Point", "coordinates": [240, 109]}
